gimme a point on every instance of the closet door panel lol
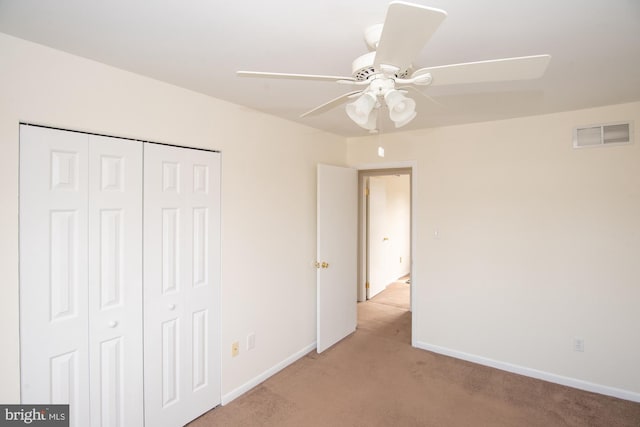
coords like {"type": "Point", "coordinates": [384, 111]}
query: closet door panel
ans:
{"type": "Point", "coordinates": [181, 289]}
{"type": "Point", "coordinates": [53, 269]}
{"type": "Point", "coordinates": [115, 278]}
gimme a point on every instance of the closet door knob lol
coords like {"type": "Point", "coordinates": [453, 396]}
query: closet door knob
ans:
{"type": "Point", "coordinates": [112, 324]}
{"type": "Point", "coordinates": [172, 307]}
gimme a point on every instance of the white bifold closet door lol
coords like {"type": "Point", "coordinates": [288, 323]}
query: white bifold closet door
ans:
{"type": "Point", "coordinates": [181, 273]}
{"type": "Point", "coordinates": [81, 275]}
{"type": "Point", "coordinates": [97, 215]}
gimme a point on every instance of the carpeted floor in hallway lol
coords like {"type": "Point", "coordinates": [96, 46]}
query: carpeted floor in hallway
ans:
{"type": "Point", "coordinates": [375, 378]}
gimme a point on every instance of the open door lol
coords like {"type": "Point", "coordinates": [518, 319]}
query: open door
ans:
{"type": "Point", "coordinates": [337, 201]}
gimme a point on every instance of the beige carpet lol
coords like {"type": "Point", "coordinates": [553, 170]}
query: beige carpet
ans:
{"type": "Point", "coordinates": [396, 294]}
{"type": "Point", "coordinates": [375, 378]}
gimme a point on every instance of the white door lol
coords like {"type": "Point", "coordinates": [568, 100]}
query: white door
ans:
{"type": "Point", "coordinates": [115, 281]}
{"type": "Point", "coordinates": [181, 283]}
{"type": "Point", "coordinates": [80, 275]}
{"type": "Point", "coordinates": [337, 224]}
{"type": "Point", "coordinates": [54, 348]}
{"type": "Point", "coordinates": [378, 238]}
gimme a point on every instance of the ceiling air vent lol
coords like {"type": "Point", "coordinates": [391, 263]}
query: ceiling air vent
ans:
{"type": "Point", "coordinates": [600, 135]}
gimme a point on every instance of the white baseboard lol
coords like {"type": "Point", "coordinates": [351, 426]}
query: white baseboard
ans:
{"type": "Point", "coordinates": [227, 398]}
{"type": "Point", "coordinates": [534, 373]}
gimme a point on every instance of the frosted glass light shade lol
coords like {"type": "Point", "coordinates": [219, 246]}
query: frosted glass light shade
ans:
{"type": "Point", "coordinates": [400, 123]}
{"type": "Point", "coordinates": [360, 110]}
{"type": "Point", "coordinates": [401, 109]}
{"type": "Point", "coordinates": [372, 121]}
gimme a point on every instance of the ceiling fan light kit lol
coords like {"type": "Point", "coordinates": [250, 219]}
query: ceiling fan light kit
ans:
{"type": "Point", "coordinates": [364, 110]}
{"type": "Point", "coordinates": [395, 44]}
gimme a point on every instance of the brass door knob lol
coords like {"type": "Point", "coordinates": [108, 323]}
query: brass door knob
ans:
{"type": "Point", "coordinates": [325, 264]}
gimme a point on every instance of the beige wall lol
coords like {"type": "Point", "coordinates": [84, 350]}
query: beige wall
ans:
{"type": "Point", "coordinates": [538, 243]}
{"type": "Point", "coordinates": [399, 215]}
{"type": "Point", "coordinates": [268, 193]}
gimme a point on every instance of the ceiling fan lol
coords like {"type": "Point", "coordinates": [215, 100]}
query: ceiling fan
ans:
{"type": "Point", "coordinates": [386, 74]}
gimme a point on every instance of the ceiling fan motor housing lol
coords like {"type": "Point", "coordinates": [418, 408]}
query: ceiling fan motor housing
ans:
{"type": "Point", "coordinates": [362, 68]}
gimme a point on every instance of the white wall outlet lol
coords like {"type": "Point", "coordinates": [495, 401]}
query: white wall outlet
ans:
{"type": "Point", "coordinates": [578, 344]}
{"type": "Point", "coordinates": [235, 349]}
{"type": "Point", "coordinates": [251, 341]}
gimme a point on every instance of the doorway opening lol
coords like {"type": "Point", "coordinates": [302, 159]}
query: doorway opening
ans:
{"type": "Point", "coordinates": [384, 237]}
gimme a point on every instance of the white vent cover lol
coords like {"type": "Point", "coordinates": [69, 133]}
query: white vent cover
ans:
{"type": "Point", "coordinates": [600, 135]}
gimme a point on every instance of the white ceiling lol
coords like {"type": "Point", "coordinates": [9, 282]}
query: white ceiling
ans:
{"type": "Point", "coordinates": [199, 44]}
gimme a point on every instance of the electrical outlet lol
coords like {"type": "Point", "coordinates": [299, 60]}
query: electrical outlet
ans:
{"type": "Point", "coordinates": [578, 345]}
{"type": "Point", "coordinates": [251, 341]}
{"type": "Point", "coordinates": [235, 349]}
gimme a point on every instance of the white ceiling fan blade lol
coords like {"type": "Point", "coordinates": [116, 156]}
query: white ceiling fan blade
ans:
{"type": "Point", "coordinates": [407, 28]}
{"type": "Point", "coordinates": [521, 68]}
{"type": "Point", "coordinates": [331, 104]}
{"type": "Point", "coordinates": [417, 91]}
{"type": "Point", "coordinates": [293, 76]}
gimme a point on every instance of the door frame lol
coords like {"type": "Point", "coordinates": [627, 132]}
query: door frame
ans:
{"type": "Point", "coordinates": [379, 169]}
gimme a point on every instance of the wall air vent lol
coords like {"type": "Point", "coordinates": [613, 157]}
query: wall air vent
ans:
{"type": "Point", "coordinates": [600, 135]}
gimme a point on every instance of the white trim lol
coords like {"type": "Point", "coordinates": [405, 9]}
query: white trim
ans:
{"type": "Point", "coordinates": [388, 165]}
{"type": "Point", "coordinates": [227, 398]}
{"type": "Point", "coordinates": [533, 373]}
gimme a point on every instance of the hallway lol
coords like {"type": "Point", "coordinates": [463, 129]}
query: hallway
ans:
{"type": "Point", "coordinates": [387, 314]}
